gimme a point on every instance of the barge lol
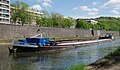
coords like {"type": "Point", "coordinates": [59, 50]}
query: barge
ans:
{"type": "Point", "coordinates": [44, 44]}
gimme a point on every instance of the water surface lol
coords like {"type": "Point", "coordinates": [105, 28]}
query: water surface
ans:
{"type": "Point", "coordinates": [59, 60]}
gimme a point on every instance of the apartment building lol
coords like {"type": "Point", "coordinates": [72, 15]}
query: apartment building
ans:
{"type": "Point", "coordinates": [5, 11]}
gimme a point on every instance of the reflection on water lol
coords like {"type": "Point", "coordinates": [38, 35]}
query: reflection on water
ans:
{"type": "Point", "coordinates": [54, 60]}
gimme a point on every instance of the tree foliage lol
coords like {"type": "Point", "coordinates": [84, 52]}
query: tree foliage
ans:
{"type": "Point", "coordinates": [19, 13]}
{"type": "Point", "coordinates": [54, 20]}
{"type": "Point", "coordinates": [83, 24]}
{"type": "Point", "coordinates": [109, 23]}
{"type": "Point", "coordinates": [104, 23]}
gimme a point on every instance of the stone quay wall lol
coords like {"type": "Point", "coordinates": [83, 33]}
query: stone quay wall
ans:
{"type": "Point", "coordinates": [19, 31]}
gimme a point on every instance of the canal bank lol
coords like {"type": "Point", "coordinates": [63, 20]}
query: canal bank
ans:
{"type": "Point", "coordinates": [109, 62]}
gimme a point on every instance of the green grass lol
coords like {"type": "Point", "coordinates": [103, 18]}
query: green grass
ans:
{"type": "Point", "coordinates": [115, 53]}
{"type": "Point", "coordinates": [77, 67]}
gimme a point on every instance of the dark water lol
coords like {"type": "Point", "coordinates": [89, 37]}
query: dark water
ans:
{"type": "Point", "coordinates": [59, 60]}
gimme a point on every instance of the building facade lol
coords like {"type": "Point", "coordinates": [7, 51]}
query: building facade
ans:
{"type": "Point", "coordinates": [5, 11]}
{"type": "Point", "coordinates": [91, 21]}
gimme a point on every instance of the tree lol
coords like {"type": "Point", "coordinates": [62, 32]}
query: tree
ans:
{"type": "Point", "coordinates": [45, 14]}
{"type": "Point", "coordinates": [19, 11]}
{"type": "Point", "coordinates": [109, 23]}
{"type": "Point", "coordinates": [54, 20]}
{"type": "Point", "coordinates": [83, 24]}
{"type": "Point", "coordinates": [68, 22]}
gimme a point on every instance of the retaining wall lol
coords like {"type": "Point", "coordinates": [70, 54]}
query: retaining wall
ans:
{"type": "Point", "coordinates": [17, 31]}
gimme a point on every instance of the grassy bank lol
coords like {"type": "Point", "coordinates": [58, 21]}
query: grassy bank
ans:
{"type": "Point", "coordinates": [107, 62]}
{"type": "Point", "coordinates": [115, 53]}
{"type": "Point", "coordinates": [77, 67]}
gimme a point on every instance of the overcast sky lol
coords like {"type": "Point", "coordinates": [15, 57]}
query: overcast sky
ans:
{"type": "Point", "coordinates": [77, 8]}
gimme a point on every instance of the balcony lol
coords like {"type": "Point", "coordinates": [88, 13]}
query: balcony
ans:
{"type": "Point", "coordinates": [0, 6]}
{"type": "Point", "coordinates": [6, 11]}
{"type": "Point", "coordinates": [6, 6]}
{"type": "Point", "coordinates": [4, 22]}
{"type": "Point", "coordinates": [6, 15]}
{"type": "Point", "coordinates": [5, 2]}
{"type": "Point", "coordinates": [0, 10]}
{"type": "Point", "coordinates": [0, 16]}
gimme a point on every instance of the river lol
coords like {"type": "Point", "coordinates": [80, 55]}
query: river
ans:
{"type": "Point", "coordinates": [59, 60]}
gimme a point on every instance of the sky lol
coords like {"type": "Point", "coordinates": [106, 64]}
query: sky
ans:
{"type": "Point", "coordinates": [77, 8]}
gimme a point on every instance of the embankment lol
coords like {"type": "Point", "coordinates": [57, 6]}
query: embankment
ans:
{"type": "Point", "coordinates": [110, 62]}
{"type": "Point", "coordinates": [18, 31]}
